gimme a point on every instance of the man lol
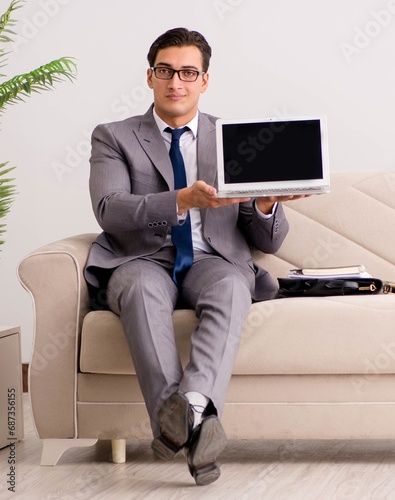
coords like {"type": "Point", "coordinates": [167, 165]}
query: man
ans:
{"type": "Point", "coordinates": [147, 214]}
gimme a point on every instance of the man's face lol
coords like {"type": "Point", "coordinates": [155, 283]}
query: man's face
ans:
{"type": "Point", "coordinates": [176, 101]}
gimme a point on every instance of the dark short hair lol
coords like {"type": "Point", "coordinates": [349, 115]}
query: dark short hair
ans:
{"type": "Point", "coordinates": [180, 37]}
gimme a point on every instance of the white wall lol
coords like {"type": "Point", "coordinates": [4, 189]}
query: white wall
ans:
{"type": "Point", "coordinates": [269, 57]}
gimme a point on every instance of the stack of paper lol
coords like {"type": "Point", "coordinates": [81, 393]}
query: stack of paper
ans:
{"type": "Point", "coordinates": [357, 271]}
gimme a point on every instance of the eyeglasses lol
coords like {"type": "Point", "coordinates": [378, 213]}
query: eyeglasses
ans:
{"type": "Point", "coordinates": [185, 75]}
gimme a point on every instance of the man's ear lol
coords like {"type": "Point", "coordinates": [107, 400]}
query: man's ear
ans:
{"type": "Point", "coordinates": [206, 78]}
{"type": "Point", "coordinates": [149, 78]}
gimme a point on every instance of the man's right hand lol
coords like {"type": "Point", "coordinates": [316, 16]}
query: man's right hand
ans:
{"type": "Point", "coordinates": [201, 195]}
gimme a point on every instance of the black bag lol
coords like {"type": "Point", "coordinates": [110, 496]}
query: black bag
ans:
{"type": "Point", "coordinates": [322, 287]}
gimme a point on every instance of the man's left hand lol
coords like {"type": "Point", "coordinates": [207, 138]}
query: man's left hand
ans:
{"type": "Point", "coordinates": [266, 203]}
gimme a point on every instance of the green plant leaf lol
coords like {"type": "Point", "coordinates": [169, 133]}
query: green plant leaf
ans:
{"type": "Point", "coordinates": [38, 80]}
{"type": "Point", "coordinates": [5, 23]}
{"type": "Point", "coordinates": [6, 20]}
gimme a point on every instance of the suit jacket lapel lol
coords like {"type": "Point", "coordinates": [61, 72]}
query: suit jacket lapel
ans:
{"type": "Point", "coordinates": [206, 151]}
{"type": "Point", "coordinates": [153, 144]}
{"type": "Point", "coordinates": [206, 157]}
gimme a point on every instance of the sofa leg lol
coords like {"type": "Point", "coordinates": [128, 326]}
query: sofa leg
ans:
{"type": "Point", "coordinates": [118, 451]}
{"type": "Point", "coordinates": [54, 448]}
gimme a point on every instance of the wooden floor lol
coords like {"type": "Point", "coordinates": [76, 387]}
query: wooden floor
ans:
{"type": "Point", "coordinates": [276, 470]}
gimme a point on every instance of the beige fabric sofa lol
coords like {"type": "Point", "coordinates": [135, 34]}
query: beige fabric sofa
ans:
{"type": "Point", "coordinates": [307, 368]}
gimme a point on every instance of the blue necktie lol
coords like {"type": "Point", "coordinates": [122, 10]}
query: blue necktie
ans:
{"type": "Point", "coordinates": [181, 235]}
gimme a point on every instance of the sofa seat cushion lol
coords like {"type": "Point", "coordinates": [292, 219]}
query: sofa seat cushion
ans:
{"type": "Point", "coordinates": [320, 335]}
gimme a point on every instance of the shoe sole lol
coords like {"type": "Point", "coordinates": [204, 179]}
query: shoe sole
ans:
{"type": "Point", "coordinates": [174, 424]}
{"type": "Point", "coordinates": [206, 475]}
{"type": "Point", "coordinates": [163, 449]}
{"type": "Point", "coordinates": [202, 455]}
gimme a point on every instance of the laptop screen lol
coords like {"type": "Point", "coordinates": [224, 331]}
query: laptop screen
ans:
{"type": "Point", "coordinates": [272, 151]}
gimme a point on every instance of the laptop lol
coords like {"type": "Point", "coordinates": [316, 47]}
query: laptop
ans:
{"type": "Point", "coordinates": [272, 157]}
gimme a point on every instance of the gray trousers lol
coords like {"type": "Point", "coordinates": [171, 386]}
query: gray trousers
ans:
{"type": "Point", "coordinates": [143, 294]}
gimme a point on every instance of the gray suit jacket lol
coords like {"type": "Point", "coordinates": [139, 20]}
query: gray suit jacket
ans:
{"type": "Point", "coordinates": [133, 198]}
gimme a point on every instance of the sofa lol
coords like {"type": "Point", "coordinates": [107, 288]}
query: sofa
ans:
{"type": "Point", "coordinates": [307, 367]}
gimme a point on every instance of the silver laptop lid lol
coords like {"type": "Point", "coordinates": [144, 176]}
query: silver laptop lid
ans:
{"type": "Point", "coordinates": [281, 155]}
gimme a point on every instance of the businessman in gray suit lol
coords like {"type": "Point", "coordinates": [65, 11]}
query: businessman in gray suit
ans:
{"type": "Point", "coordinates": [139, 204]}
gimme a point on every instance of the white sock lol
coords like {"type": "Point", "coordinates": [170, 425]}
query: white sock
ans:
{"type": "Point", "coordinates": [198, 402]}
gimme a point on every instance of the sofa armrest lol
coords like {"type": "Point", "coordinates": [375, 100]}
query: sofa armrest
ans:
{"type": "Point", "coordinates": [53, 275]}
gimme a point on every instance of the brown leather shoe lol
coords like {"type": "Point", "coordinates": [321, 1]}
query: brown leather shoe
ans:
{"type": "Point", "coordinates": [175, 420]}
{"type": "Point", "coordinates": [207, 441]}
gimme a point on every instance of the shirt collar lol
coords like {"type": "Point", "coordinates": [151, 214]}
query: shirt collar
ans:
{"type": "Point", "coordinates": [193, 124]}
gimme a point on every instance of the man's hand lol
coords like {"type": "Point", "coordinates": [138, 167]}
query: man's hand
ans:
{"type": "Point", "coordinates": [266, 203]}
{"type": "Point", "coordinates": [201, 195]}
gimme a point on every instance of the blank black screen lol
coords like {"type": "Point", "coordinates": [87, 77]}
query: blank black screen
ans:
{"type": "Point", "coordinates": [272, 151]}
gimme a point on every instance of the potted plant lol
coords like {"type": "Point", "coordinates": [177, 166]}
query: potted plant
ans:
{"type": "Point", "coordinates": [15, 89]}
